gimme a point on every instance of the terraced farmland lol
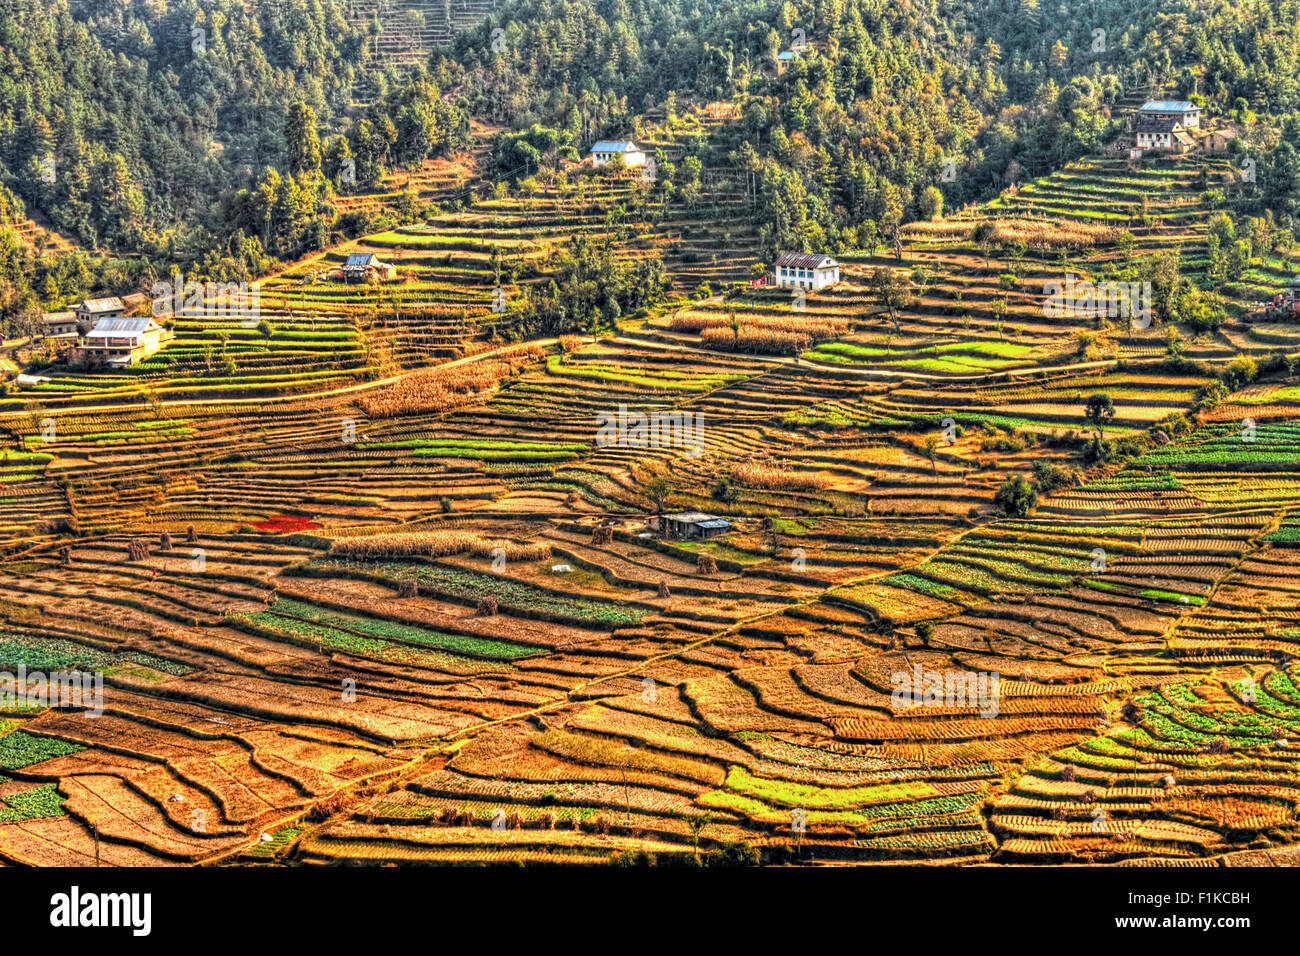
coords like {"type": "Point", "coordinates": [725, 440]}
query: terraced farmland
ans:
{"type": "Point", "coordinates": [387, 593]}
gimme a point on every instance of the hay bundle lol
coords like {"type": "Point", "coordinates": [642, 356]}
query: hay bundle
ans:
{"type": "Point", "coordinates": [706, 564]}
{"type": "Point", "coordinates": [663, 589]}
{"type": "Point", "coordinates": [602, 534]}
{"type": "Point", "coordinates": [137, 550]}
{"type": "Point", "coordinates": [165, 542]}
{"type": "Point", "coordinates": [407, 589]}
{"type": "Point", "coordinates": [487, 607]}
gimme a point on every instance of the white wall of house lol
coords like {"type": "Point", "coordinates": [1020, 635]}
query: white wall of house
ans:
{"type": "Point", "coordinates": [633, 158]}
{"type": "Point", "coordinates": [1153, 140]}
{"type": "Point", "coordinates": [807, 278]}
{"type": "Point", "coordinates": [1184, 119]}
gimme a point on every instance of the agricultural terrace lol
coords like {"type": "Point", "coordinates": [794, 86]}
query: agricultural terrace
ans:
{"type": "Point", "coordinates": [379, 587]}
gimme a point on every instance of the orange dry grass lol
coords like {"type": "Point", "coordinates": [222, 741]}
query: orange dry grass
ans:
{"type": "Point", "coordinates": [770, 334]}
{"type": "Point", "coordinates": [1041, 232]}
{"type": "Point", "coordinates": [759, 474]}
{"type": "Point", "coordinates": [437, 544]}
{"type": "Point", "coordinates": [1074, 235]}
{"type": "Point", "coordinates": [443, 388]}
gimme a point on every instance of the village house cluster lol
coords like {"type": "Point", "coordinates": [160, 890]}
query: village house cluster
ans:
{"type": "Point", "coordinates": [1174, 127]}
{"type": "Point", "coordinates": [101, 335]}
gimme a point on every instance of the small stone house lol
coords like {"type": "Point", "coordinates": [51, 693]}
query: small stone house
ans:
{"type": "Point", "coordinates": [366, 266]}
{"type": "Point", "coordinates": [691, 524]}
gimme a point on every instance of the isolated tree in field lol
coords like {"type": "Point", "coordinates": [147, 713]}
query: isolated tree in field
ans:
{"type": "Point", "coordinates": [983, 236]}
{"type": "Point", "coordinates": [658, 489]}
{"type": "Point", "coordinates": [1099, 409]}
{"type": "Point", "coordinates": [931, 447]}
{"type": "Point", "coordinates": [999, 307]}
{"type": "Point", "coordinates": [696, 823]}
{"type": "Point", "coordinates": [892, 290]}
{"type": "Point", "coordinates": [154, 401]}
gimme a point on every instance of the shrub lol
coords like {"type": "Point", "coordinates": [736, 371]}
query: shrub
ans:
{"type": "Point", "coordinates": [1049, 477]}
{"type": "Point", "coordinates": [1015, 497]}
{"type": "Point", "coordinates": [1240, 372]}
{"type": "Point", "coordinates": [632, 858]}
{"type": "Point", "coordinates": [736, 853]}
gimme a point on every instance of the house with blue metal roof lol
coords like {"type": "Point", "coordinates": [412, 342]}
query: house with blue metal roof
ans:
{"type": "Point", "coordinates": [1182, 112]}
{"type": "Point", "coordinates": [605, 150]}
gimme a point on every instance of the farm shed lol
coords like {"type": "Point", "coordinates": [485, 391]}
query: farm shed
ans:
{"type": "Point", "coordinates": [692, 524]}
{"type": "Point", "coordinates": [605, 150]}
{"type": "Point", "coordinates": [92, 310]}
{"type": "Point", "coordinates": [785, 58]}
{"type": "Point", "coordinates": [1217, 141]}
{"type": "Point", "coordinates": [364, 266]}
{"type": "Point", "coordinates": [806, 270]}
{"type": "Point", "coordinates": [60, 324]}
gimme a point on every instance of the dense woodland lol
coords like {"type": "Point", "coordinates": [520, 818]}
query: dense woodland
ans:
{"type": "Point", "coordinates": [214, 135]}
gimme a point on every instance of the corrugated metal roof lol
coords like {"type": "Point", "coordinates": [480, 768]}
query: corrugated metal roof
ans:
{"type": "Point", "coordinates": [1168, 106]}
{"type": "Point", "coordinates": [120, 327]}
{"type": "Point", "coordinates": [610, 146]}
{"type": "Point", "coordinates": [805, 260]}
{"type": "Point", "coordinates": [691, 517]}
{"type": "Point", "coordinates": [715, 523]}
{"type": "Point", "coordinates": [103, 305]}
{"type": "Point", "coordinates": [361, 259]}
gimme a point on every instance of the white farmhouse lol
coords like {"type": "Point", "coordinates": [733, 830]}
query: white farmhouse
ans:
{"type": "Point", "coordinates": [606, 150]}
{"type": "Point", "coordinates": [806, 270]}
